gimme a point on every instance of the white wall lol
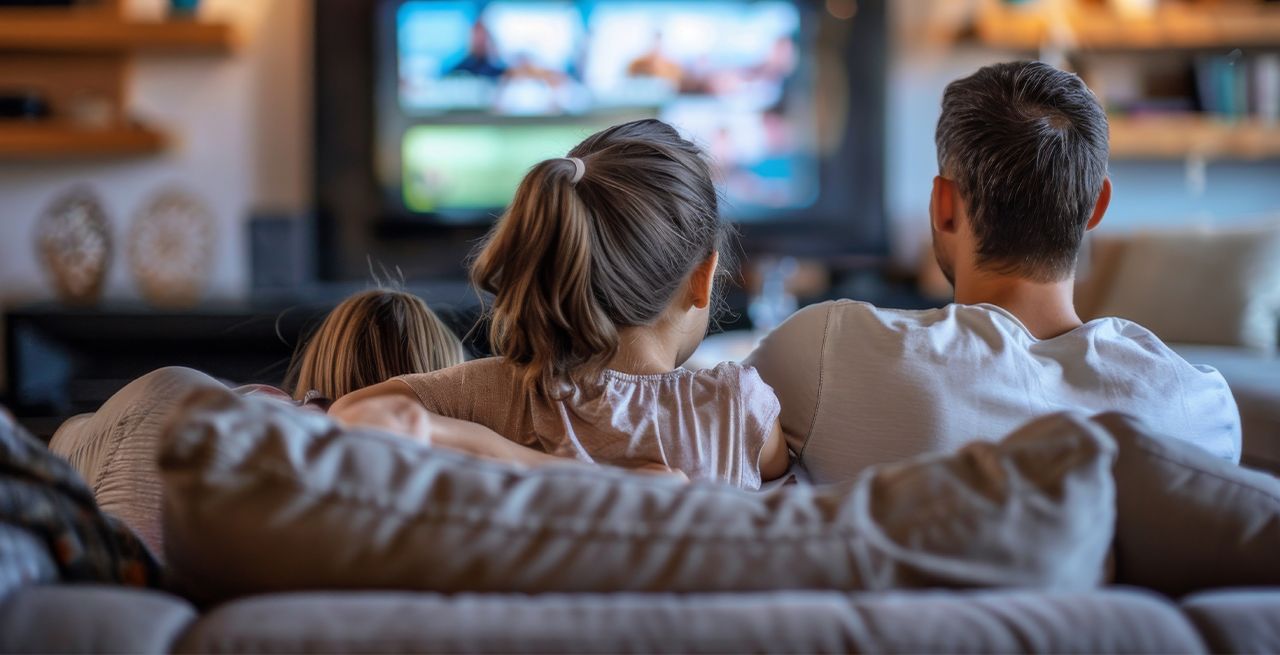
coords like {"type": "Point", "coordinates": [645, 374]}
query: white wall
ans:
{"type": "Point", "coordinates": [243, 135]}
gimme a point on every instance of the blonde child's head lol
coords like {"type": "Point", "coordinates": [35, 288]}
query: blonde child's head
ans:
{"type": "Point", "coordinates": [371, 337]}
{"type": "Point", "coordinates": [624, 232]}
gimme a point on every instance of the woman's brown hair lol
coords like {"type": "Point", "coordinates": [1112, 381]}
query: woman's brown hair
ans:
{"type": "Point", "coordinates": [573, 261]}
{"type": "Point", "coordinates": [369, 338]}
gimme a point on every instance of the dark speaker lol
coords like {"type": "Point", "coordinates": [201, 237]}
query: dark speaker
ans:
{"type": "Point", "coordinates": [281, 253]}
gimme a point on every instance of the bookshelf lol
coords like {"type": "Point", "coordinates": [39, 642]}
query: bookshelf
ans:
{"type": "Point", "coordinates": [78, 61]}
{"type": "Point", "coordinates": [46, 31]}
{"type": "Point", "coordinates": [1172, 26]}
{"type": "Point", "coordinates": [53, 141]}
{"type": "Point", "coordinates": [1212, 118]}
{"type": "Point", "coordinates": [1181, 136]}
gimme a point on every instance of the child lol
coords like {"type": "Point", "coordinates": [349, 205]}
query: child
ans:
{"type": "Point", "coordinates": [603, 273]}
{"type": "Point", "coordinates": [369, 338]}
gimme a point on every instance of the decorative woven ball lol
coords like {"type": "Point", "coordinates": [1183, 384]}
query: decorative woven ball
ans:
{"type": "Point", "coordinates": [74, 243]}
{"type": "Point", "coordinates": [171, 249]}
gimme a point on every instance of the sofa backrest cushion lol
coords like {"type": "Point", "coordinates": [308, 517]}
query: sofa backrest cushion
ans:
{"type": "Point", "coordinates": [262, 497]}
{"type": "Point", "coordinates": [1218, 287]}
{"type": "Point", "coordinates": [115, 448]}
{"type": "Point", "coordinates": [1187, 521]}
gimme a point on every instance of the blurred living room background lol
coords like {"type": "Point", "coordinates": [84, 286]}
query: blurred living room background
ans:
{"type": "Point", "coordinates": [194, 182]}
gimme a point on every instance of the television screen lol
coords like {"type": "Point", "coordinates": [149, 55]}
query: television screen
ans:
{"type": "Point", "coordinates": [472, 93]}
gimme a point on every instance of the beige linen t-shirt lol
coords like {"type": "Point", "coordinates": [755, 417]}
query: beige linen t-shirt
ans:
{"type": "Point", "coordinates": [711, 423]}
{"type": "Point", "coordinates": [861, 385]}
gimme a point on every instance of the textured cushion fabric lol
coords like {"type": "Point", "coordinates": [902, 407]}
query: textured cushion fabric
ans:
{"type": "Point", "coordinates": [1237, 621]}
{"type": "Point", "coordinates": [91, 619]}
{"type": "Point", "coordinates": [115, 448]}
{"type": "Point", "coordinates": [1186, 521]}
{"type": "Point", "coordinates": [1212, 287]}
{"type": "Point", "coordinates": [262, 497]}
{"type": "Point", "coordinates": [24, 559]}
{"type": "Point", "coordinates": [774, 622]}
{"type": "Point", "coordinates": [43, 496]}
{"type": "Point", "coordinates": [1114, 621]}
{"type": "Point", "coordinates": [1254, 379]}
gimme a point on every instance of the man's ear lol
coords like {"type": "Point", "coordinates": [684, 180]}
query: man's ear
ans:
{"type": "Point", "coordinates": [702, 281]}
{"type": "Point", "coordinates": [942, 205]}
{"type": "Point", "coordinates": [1100, 208]}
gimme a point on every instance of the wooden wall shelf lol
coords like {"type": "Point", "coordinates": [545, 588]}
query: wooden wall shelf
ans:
{"type": "Point", "coordinates": [27, 141]}
{"type": "Point", "coordinates": [48, 31]}
{"type": "Point", "coordinates": [1171, 27]}
{"type": "Point", "coordinates": [1181, 137]}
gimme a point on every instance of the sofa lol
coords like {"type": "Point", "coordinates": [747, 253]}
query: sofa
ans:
{"type": "Point", "coordinates": [1214, 296]}
{"type": "Point", "coordinates": [1160, 597]}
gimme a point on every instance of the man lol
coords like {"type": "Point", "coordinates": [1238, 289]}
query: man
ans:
{"type": "Point", "coordinates": [1022, 156]}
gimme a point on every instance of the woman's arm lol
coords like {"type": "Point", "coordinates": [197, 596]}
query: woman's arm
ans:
{"type": "Point", "coordinates": [393, 406]}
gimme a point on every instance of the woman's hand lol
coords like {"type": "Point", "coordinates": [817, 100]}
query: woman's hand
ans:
{"type": "Point", "coordinates": [395, 414]}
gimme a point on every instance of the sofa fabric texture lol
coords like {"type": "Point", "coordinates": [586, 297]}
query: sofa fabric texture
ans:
{"type": "Point", "coordinates": [115, 448]}
{"type": "Point", "coordinates": [1217, 287]}
{"type": "Point", "coordinates": [772, 622]}
{"type": "Point", "coordinates": [1186, 521]}
{"type": "Point", "coordinates": [1237, 621]}
{"type": "Point", "coordinates": [42, 496]}
{"type": "Point", "coordinates": [112, 620]}
{"type": "Point", "coordinates": [91, 619]}
{"type": "Point", "coordinates": [261, 497]}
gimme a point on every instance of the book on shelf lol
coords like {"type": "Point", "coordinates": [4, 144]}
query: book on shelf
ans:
{"type": "Point", "coordinates": [1239, 86]}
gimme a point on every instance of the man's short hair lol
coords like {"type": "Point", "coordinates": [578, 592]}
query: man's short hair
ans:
{"type": "Point", "coordinates": [1026, 145]}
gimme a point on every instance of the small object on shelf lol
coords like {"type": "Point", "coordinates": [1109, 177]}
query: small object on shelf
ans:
{"type": "Point", "coordinates": [26, 105]}
{"type": "Point", "coordinates": [171, 249]}
{"type": "Point", "coordinates": [92, 111]}
{"type": "Point", "coordinates": [183, 8]}
{"type": "Point", "coordinates": [74, 242]}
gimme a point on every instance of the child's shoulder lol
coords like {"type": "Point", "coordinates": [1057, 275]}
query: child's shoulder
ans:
{"type": "Point", "coordinates": [731, 374]}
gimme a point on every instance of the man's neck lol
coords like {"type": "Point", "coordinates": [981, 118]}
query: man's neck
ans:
{"type": "Point", "coordinates": [1045, 308]}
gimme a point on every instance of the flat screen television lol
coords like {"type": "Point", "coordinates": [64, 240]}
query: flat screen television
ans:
{"type": "Point", "coordinates": [429, 112]}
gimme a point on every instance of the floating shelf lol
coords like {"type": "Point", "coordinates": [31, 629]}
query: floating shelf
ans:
{"type": "Point", "coordinates": [23, 30]}
{"type": "Point", "coordinates": [1171, 27]}
{"type": "Point", "coordinates": [1181, 137]}
{"type": "Point", "coordinates": [26, 141]}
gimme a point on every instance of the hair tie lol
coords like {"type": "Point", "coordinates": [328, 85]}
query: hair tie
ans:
{"type": "Point", "coordinates": [579, 169]}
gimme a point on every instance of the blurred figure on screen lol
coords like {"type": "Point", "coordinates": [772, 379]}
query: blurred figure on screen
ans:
{"type": "Point", "coordinates": [654, 63]}
{"type": "Point", "coordinates": [482, 57]}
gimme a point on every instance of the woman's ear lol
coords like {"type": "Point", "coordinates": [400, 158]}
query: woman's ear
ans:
{"type": "Point", "coordinates": [702, 281]}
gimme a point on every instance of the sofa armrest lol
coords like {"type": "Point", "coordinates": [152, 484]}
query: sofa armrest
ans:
{"type": "Point", "coordinates": [91, 619]}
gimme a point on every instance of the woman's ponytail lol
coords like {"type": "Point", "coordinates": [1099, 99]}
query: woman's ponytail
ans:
{"type": "Point", "coordinates": [595, 243]}
{"type": "Point", "coordinates": [538, 265]}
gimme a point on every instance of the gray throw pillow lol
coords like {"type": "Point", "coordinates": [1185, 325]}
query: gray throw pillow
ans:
{"type": "Point", "coordinates": [261, 497]}
{"type": "Point", "coordinates": [1188, 521]}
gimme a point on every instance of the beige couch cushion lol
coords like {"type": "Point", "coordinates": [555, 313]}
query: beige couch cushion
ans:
{"type": "Point", "coordinates": [1237, 620]}
{"type": "Point", "coordinates": [1211, 287]}
{"type": "Point", "coordinates": [1186, 521]}
{"type": "Point", "coordinates": [91, 619]}
{"type": "Point", "coordinates": [115, 448]}
{"type": "Point", "coordinates": [986, 621]}
{"type": "Point", "coordinates": [262, 497]}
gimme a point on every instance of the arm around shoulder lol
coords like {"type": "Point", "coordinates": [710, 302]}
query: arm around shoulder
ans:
{"type": "Point", "coordinates": [394, 407]}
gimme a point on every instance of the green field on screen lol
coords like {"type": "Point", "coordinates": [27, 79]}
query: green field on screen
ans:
{"type": "Point", "coordinates": [476, 167]}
